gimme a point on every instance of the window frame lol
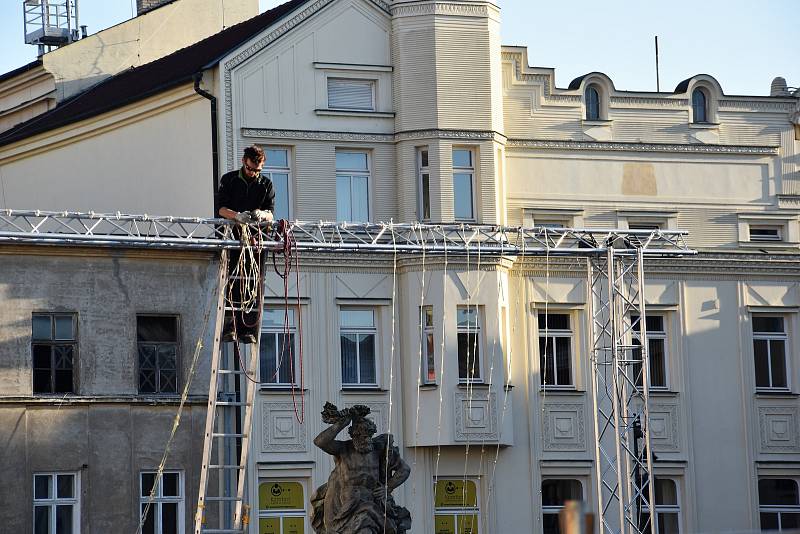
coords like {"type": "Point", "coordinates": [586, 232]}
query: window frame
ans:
{"type": "Point", "coordinates": [667, 508]}
{"type": "Point", "coordinates": [471, 171]}
{"type": "Point", "coordinates": [372, 82]}
{"type": "Point", "coordinates": [268, 171]}
{"type": "Point", "coordinates": [270, 330]}
{"type": "Point", "coordinates": [706, 119]}
{"type": "Point", "coordinates": [555, 509]}
{"type": "Point", "coordinates": [655, 335]}
{"type": "Point", "coordinates": [52, 343]}
{"type": "Point", "coordinates": [477, 376]}
{"type": "Point", "coordinates": [592, 112]}
{"type": "Point", "coordinates": [159, 499]}
{"type": "Point", "coordinates": [571, 334]}
{"type": "Point", "coordinates": [177, 344]}
{"type": "Point", "coordinates": [779, 233]}
{"type": "Point", "coordinates": [424, 190]}
{"type": "Point", "coordinates": [769, 337]}
{"type": "Point", "coordinates": [360, 330]}
{"type": "Point", "coordinates": [264, 513]}
{"type": "Point", "coordinates": [778, 509]}
{"type": "Point", "coordinates": [350, 174]}
{"type": "Point", "coordinates": [55, 501]}
{"type": "Point", "coordinates": [457, 511]}
{"type": "Point", "coordinates": [427, 362]}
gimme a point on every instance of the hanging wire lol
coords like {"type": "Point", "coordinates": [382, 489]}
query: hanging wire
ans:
{"type": "Point", "coordinates": [441, 367]}
{"type": "Point", "coordinates": [472, 348]}
{"type": "Point", "coordinates": [422, 339]}
{"type": "Point", "coordinates": [223, 266]}
{"type": "Point", "coordinates": [391, 379]}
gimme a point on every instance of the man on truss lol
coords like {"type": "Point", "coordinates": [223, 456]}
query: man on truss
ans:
{"type": "Point", "coordinates": [247, 197]}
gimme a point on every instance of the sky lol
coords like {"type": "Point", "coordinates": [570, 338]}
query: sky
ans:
{"type": "Point", "coordinates": [744, 44]}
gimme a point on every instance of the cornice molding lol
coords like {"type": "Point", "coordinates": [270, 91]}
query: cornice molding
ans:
{"type": "Point", "coordinates": [637, 101]}
{"type": "Point", "coordinates": [470, 135]}
{"type": "Point", "coordinates": [547, 144]}
{"type": "Point", "coordinates": [755, 106]}
{"type": "Point", "coordinates": [440, 8]}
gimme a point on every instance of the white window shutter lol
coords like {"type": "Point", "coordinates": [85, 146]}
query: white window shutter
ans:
{"type": "Point", "coordinates": [350, 94]}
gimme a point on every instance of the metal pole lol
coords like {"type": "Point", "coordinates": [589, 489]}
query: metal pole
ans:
{"type": "Point", "coordinates": [658, 84]}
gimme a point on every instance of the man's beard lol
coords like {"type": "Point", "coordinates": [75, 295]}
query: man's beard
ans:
{"type": "Point", "coordinates": [362, 444]}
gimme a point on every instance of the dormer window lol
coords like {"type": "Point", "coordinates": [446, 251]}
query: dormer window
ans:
{"type": "Point", "coordinates": [699, 106]}
{"type": "Point", "coordinates": [592, 102]}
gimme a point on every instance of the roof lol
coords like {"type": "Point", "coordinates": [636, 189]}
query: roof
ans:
{"type": "Point", "coordinates": [16, 72]}
{"type": "Point", "coordinates": [147, 80]}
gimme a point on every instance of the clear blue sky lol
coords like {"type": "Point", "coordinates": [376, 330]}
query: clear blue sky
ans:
{"type": "Point", "coordinates": [743, 43]}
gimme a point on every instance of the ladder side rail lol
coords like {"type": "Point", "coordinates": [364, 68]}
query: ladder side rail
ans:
{"type": "Point", "coordinates": [247, 425]}
{"type": "Point", "coordinates": [212, 393]}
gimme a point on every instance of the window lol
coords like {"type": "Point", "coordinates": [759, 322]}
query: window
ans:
{"type": "Point", "coordinates": [428, 354]}
{"type": "Point", "coordinates": [667, 510]}
{"type": "Point", "coordinates": [555, 492]}
{"type": "Point", "coordinates": [351, 94]}
{"type": "Point", "coordinates": [56, 503]}
{"type": "Point", "coordinates": [281, 507]}
{"type": "Point", "coordinates": [555, 349]}
{"type": "Point", "coordinates": [463, 184]}
{"type": "Point", "coordinates": [456, 508]}
{"type": "Point", "coordinates": [699, 106]}
{"type": "Point", "coordinates": [657, 350]}
{"type": "Point", "coordinates": [468, 324]}
{"type": "Point", "coordinates": [765, 233]}
{"type": "Point", "coordinates": [645, 225]}
{"type": "Point", "coordinates": [424, 184]}
{"type": "Point", "coordinates": [165, 514]}
{"type": "Point", "coordinates": [551, 223]}
{"type": "Point", "coordinates": [278, 347]}
{"type": "Point", "coordinates": [157, 338]}
{"type": "Point", "coordinates": [358, 347]}
{"type": "Point", "coordinates": [352, 186]}
{"type": "Point", "coordinates": [769, 351]}
{"type": "Point", "coordinates": [278, 170]}
{"type": "Point", "coordinates": [592, 102]}
{"type": "Point", "coordinates": [54, 346]}
{"type": "Point", "coordinates": [778, 504]}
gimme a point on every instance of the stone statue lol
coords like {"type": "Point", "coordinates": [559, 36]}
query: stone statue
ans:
{"type": "Point", "coordinates": [358, 496]}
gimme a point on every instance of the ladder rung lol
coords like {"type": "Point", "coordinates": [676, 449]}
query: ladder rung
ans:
{"type": "Point", "coordinates": [232, 372]}
{"type": "Point", "coordinates": [231, 403]}
{"type": "Point", "coordinates": [221, 531]}
{"type": "Point", "coordinates": [223, 499]}
{"type": "Point", "coordinates": [228, 435]}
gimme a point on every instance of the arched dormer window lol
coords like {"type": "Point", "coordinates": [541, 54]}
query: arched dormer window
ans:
{"type": "Point", "coordinates": [699, 106]}
{"type": "Point", "coordinates": [592, 102]}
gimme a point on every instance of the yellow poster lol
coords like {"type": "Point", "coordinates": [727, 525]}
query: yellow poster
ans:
{"type": "Point", "coordinates": [444, 524]}
{"type": "Point", "coordinates": [455, 493]}
{"type": "Point", "coordinates": [269, 525]}
{"type": "Point", "coordinates": [275, 495]}
{"type": "Point", "coordinates": [468, 524]}
{"type": "Point", "coordinates": [293, 525]}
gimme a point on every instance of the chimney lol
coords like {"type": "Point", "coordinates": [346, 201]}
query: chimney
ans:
{"type": "Point", "coordinates": [143, 6]}
{"type": "Point", "coordinates": [778, 87]}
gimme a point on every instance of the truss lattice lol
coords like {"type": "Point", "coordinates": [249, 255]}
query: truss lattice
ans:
{"type": "Point", "coordinates": [623, 457]}
{"type": "Point", "coordinates": [94, 229]}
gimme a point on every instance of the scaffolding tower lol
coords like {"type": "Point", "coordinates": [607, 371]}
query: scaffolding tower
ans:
{"type": "Point", "coordinates": [615, 270]}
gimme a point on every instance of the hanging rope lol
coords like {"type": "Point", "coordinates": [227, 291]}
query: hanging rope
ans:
{"type": "Point", "coordinates": [391, 378]}
{"type": "Point", "coordinates": [441, 366]}
{"type": "Point", "coordinates": [422, 340]}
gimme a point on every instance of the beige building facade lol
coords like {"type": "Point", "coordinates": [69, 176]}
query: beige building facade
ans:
{"type": "Point", "coordinates": [480, 366]}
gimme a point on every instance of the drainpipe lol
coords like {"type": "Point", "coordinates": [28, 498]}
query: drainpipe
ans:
{"type": "Point", "coordinates": [198, 77]}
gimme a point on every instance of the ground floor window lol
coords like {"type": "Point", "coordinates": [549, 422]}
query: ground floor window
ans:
{"type": "Point", "coordinates": [56, 503]}
{"type": "Point", "coordinates": [165, 512]}
{"type": "Point", "coordinates": [281, 507]}
{"type": "Point", "coordinates": [779, 504]}
{"type": "Point", "coordinates": [555, 492]}
{"type": "Point", "coordinates": [667, 511]}
{"type": "Point", "coordinates": [456, 506]}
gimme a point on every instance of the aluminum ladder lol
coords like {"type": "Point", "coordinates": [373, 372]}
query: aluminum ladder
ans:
{"type": "Point", "coordinates": [222, 502]}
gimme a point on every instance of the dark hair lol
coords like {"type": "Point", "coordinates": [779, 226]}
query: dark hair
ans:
{"type": "Point", "coordinates": [254, 153]}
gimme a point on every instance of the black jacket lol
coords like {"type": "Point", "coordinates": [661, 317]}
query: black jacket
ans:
{"type": "Point", "coordinates": [238, 193]}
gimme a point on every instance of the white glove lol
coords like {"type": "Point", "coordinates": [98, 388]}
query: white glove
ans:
{"type": "Point", "coordinates": [243, 217]}
{"type": "Point", "coordinates": [263, 215]}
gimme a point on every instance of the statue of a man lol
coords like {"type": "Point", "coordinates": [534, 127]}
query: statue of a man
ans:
{"type": "Point", "coordinates": [358, 496]}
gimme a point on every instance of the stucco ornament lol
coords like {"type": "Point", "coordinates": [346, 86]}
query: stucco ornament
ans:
{"type": "Point", "coordinates": [357, 499]}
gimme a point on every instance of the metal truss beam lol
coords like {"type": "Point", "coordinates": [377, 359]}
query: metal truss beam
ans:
{"type": "Point", "coordinates": [143, 231]}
